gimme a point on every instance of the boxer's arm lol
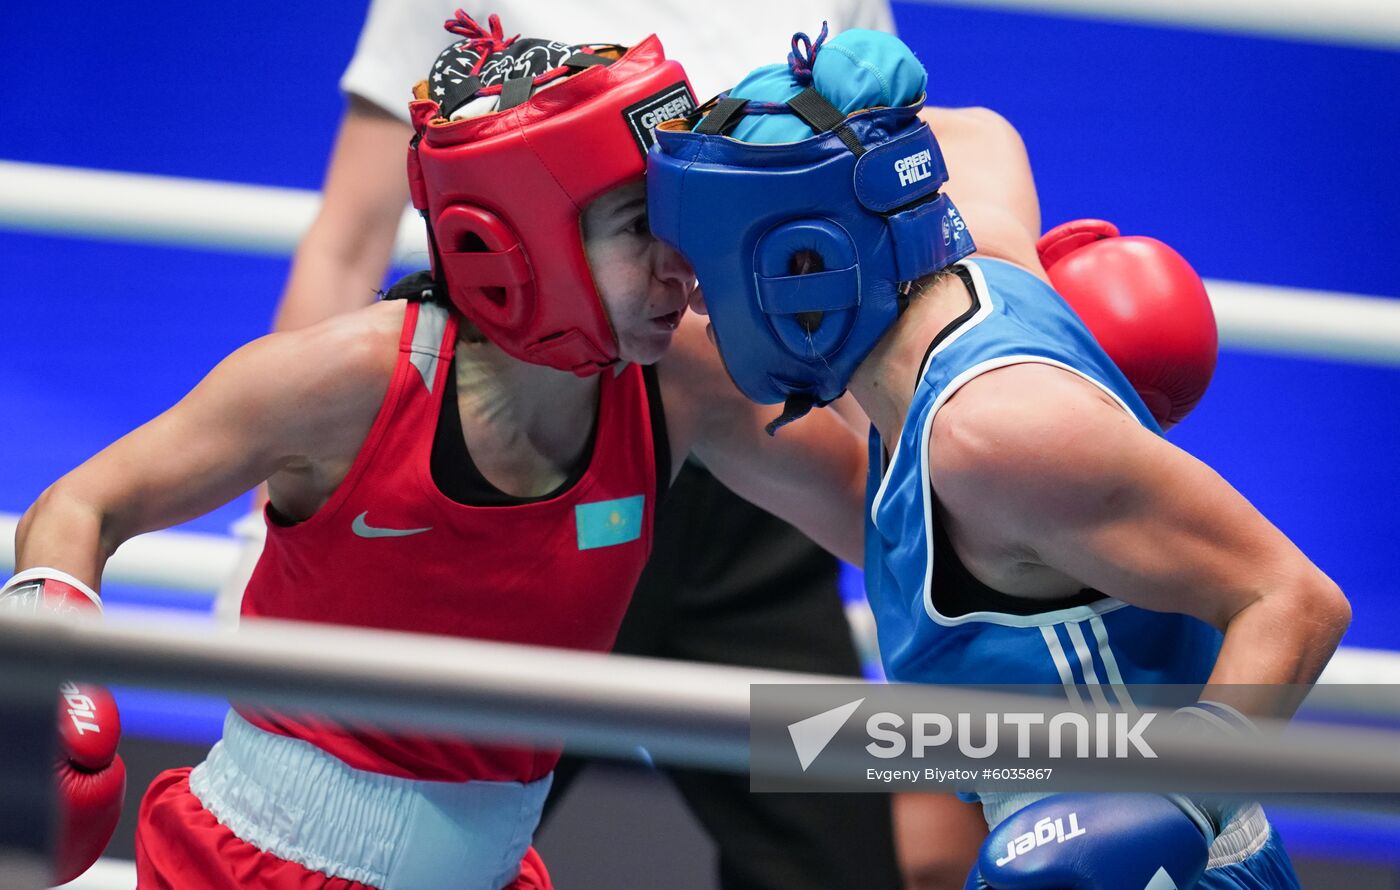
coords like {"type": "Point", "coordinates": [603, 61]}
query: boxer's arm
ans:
{"type": "Point", "coordinates": [812, 474]}
{"type": "Point", "coordinates": [1068, 480]}
{"type": "Point", "coordinates": [989, 178]}
{"type": "Point", "coordinates": [283, 400]}
{"type": "Point", "coordinates": [340, 261]}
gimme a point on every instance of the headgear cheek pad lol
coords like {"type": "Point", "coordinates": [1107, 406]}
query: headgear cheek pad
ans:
{"type": "Point", "coordinates": [856, 206]}
{"type": "Point", "coordinates": [503, 195]}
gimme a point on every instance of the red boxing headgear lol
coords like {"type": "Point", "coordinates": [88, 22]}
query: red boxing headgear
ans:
{"type": "Point", "coordinates": [503, 195]}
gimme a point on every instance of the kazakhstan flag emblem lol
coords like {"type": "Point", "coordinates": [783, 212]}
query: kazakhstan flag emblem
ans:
{"type": "Point", "coordinates": [608, 523]}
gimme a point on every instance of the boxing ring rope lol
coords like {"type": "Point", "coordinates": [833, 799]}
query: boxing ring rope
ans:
{"type": "Point", "coordinates": [260, 219]}
{"type": "Point", "coordinates": [172, 560]}
{"type": "Point", "coordinates": [604, 704]}
{"type": "Point", "coordinates": [1361, 22]}
{"type": "Point", "coordinates": [82, 202]}
{"type": "Point", "coordinates": [199, 563]}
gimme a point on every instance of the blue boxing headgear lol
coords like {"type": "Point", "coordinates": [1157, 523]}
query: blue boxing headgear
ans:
{"type": "Point", "coordinates": [859, 200]}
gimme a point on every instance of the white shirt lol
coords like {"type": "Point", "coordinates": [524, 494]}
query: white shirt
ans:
{"type": "Point", "coordinates": [718, 41]}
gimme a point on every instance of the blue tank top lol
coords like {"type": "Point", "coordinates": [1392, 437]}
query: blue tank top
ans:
{"type": "Point", "coordinates": [1090, 648]}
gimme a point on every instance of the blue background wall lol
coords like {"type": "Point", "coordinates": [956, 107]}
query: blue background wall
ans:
{"type": "Point", "coordinates": [1261, 160]}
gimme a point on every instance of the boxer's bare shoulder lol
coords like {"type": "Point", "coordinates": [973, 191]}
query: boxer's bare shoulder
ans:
{"type": "Point", "coordinates": [317, 388]}
{"type": "Point", "coordinates": [1017, 423]}
{"type": "Point", "coordinates": [343, 369]}
{"type": "Point", "coordinates": [293, 405]}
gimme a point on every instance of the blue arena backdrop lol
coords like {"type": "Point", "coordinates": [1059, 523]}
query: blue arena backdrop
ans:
{"type": "Point", "coordinates": [1261, 160]}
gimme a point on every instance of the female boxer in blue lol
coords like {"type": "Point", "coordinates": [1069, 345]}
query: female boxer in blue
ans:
{"type": "Point", "coordinates": [1026, 520]}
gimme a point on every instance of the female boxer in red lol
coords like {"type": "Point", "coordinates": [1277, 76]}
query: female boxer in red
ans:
{"type": "Point", "coordinates": [480, 455]}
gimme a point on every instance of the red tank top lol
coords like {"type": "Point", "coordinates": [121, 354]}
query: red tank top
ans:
{"type": "Point", "coordinates": [389, 550]}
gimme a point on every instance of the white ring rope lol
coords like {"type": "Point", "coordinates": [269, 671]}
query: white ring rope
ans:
{"type": "Point", "coordinates": [1319, 324]}
{"type": "Point", "coordinates": [689, 714]}
{"type": "Point", "coordinates": [77, 201]}
{"type": "Point", "coordinates": [200, 563]}
{"type": "Point", "coordinates": [190, 212]}
{"type": "Point", "coordinates": [1362, 22]}
{"type": "Point", "coordinates": [172, 560]}
{"type": "Point", "coordinates": [696, 714]}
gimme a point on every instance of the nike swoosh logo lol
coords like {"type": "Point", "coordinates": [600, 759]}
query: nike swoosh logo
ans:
{"type": "Point", "coordinates": [365, 530]}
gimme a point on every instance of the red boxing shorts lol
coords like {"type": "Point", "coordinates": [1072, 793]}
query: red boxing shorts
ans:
{"type": "Point", "coordinates": [267, 811]}
{"type": "Point", "coordinates": [180, 845]}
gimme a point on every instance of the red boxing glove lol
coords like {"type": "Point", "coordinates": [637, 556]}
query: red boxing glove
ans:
{"type": "Point", "coordinates": [91, 776]}
{"type": "Point", "coordinates": [1144, 304]}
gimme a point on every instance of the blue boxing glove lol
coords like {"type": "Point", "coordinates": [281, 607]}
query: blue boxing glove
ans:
{"type": "Point", "coordinates": [1093, 842]}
